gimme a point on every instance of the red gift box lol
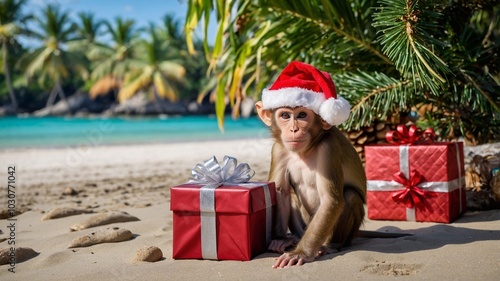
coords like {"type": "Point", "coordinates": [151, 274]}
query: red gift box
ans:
{"type": "Point", "coordinates": [238, 227]}
{"type": "Point", "coordinates": [422, 183]}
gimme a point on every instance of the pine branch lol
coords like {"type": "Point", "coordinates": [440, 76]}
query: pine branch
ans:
{"type": "Point", "coordinates": [480, 90]}
{"type": "Point", "coordinates": [375, 96]}
{"type": "Point", "coordinates": [300, 13]}
{"type": "Point", "coordinates": [406, 40]}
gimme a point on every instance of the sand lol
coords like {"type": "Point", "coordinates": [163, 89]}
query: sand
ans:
{"type": "Point", "coordinates": [136, 179]}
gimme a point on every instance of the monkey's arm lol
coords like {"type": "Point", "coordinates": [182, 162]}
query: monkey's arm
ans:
{"type": "Point", "coordinates": [329, 187]}
{"type": "Point", "coordinates": [277, 174]}
{"type": "Point", "coordinates": [320, 229]}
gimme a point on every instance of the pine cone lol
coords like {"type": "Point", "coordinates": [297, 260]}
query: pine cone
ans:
{"type": "Point", "coordinates": [367, 135]}
{"type": "Point", "coordinates": [482, 166]}
{"type": "Point", "coordinates": [472, 180]}
{"type": "Point", "coordinates": [482, 182]}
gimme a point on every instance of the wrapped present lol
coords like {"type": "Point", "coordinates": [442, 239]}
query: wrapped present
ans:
{"type": "Point", "coordinates": [414, 178]}
{"type": "Point", "coordinates": [219, 215]}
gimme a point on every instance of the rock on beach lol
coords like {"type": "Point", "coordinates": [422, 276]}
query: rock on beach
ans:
{"type": "Point", "coordinates": [64, 212]}
{"type": "Point", "coordinates": [21, 254]}
{"type": "Point", "coordinates": [149, 254]}
{"type": "Point", "coordinates": [109, 235]}
{"type": "Point", "coordinates": [103, 219]}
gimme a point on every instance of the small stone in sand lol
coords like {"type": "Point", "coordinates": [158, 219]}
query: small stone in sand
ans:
{"type": "Point", "coordinates": [103, 219]}
{"type": "Point", "coordinates": [149, 254]}
{"type": "Point", "coordinates": [8, 213]}
{"type": "Point", "coordinates": [64, 212]}
{"type": "Point", "coordinates": [70, 191]}
{"type": "Point", "coordinates": [21, 254]}
{"type": "Point", "coordinates": [108, 235]}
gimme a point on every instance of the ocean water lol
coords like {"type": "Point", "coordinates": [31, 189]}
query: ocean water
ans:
{"type": "Point", "coordinates": [30, 132]}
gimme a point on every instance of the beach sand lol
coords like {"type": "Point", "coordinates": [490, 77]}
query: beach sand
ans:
{"type": "Point", "coordinates": [137, 179]}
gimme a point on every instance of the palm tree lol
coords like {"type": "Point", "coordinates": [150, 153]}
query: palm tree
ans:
{"type": "Point", "coordinates": [156, 67]}
{"type": "Point", "coordinates": [387, 56]}
{"type": "Point", "coordinates": [196, 65]}
{"type": "Point", "coordinates": [172, 31]}
{"type": "Point", "coordinates": [87, 31]}
{"type": "Point", "coordinates": [111, 63]}
{"type": "Point", "coordinates": [53, 62]}
{"type": "Point", "coordinates": [11, 26]}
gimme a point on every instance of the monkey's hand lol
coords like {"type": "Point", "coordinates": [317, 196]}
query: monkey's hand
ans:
{"type": "Point", "coordinates": [292, 258]}
{"type": "Point", "coordinates": [280, 245]}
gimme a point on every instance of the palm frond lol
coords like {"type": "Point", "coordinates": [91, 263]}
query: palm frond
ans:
{"type": "Point", "coordinates": [164, 88]}
{"type": "Point", "coordinates": [104, 86]}
{"type": "Point", "coordinates": [132, 88]}
{"type": "Point", "coordinates": [39, 59]}
{"type": "Point", "coordinates": [172, 69]}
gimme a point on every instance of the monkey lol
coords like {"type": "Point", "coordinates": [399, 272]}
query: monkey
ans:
{"type": "Point", "coordinates": [320, 180]}
{"type": "Point", "coordinates": [321, 184]}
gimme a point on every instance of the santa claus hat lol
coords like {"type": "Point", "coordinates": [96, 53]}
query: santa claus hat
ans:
{"type": "Point", "coordinates": [302, 85]}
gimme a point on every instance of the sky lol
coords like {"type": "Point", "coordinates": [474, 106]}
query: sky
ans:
{"type": "Point", "coordinates": [142, 11]}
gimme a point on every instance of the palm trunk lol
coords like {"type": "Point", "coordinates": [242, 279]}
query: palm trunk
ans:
{"type": "Point", "coordinates": [8, 80]}
{"type": "Point", "coordinates": [63, 96]}
{"type": "Point", "coordinates": [51, 99]}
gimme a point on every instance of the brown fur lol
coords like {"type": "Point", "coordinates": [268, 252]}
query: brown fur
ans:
{"type": "Point", "coordinates": [321, 186]}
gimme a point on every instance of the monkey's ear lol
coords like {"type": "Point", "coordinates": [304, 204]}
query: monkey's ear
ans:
{"type": "Point", "coordinates": [325, 125]}
{"type": "Point", "coordinates": [264, 114]}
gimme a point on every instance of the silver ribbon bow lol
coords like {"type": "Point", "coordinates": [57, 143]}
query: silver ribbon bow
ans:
{"type": "Point", "coordinates": [212, 175]}
{"type": "Point", "coordinates": [210, 172]}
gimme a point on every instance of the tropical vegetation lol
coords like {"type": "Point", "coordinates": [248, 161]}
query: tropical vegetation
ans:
{"type": "Point", "coordinates": [437, 59]}
{"type": "Point", "coordinates": [11, 26]}
{"type": "Point", "coordinates": [49, 55]}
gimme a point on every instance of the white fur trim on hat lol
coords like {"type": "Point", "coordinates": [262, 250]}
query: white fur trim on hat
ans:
{"type": "Point", "coordinates": [335, 111]}
{"type": "Point", "coordinates": [292, 97]}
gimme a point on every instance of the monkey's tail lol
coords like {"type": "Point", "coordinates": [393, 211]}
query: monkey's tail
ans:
{"type": "Point", "coordinates": [378, 234]}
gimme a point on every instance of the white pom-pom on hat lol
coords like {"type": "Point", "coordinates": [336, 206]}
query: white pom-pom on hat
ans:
{"type": "Point", "coordinates": [302, 85]}
{"type": "Point", "coordinates": [335, 111]}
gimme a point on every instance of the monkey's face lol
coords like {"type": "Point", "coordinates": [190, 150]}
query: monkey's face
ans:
{"type": "Point", "coordinates": [298, 127]}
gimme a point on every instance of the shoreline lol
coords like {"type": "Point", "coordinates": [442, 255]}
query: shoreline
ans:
{"type": "Point", "coordinates": [57, 132]}
{"type": "Point", "coordinates": [111, 145]}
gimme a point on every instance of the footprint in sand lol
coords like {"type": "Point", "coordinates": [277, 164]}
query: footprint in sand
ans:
{"type": "Point", "coordinates": [108, 235]}
{"type": "Point", "coordinates": [391, 268]}
{"type": "Point", "coordinates": [103, 219]}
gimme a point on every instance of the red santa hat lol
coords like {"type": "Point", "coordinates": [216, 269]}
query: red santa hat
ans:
{"type": "Point", "coordinates": [302, 85]}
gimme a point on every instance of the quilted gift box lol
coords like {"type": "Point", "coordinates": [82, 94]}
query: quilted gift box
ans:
{"type": "Point", "coordinates": [422, 183]}
{"type": "Point", "coordinates": [221, 216]}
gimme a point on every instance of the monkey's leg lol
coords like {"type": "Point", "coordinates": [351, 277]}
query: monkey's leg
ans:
{"type": "Point", "coordinates": [350, 219]}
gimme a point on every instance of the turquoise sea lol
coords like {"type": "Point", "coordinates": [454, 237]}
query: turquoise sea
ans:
{"type": "Point", "coordinates": [29, 132]}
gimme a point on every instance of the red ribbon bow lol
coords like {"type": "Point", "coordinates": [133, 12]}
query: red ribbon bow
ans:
{"type": "Point", "coordinates": [411, 195]}
{"type": "Point", "coordinates": [410, 135]}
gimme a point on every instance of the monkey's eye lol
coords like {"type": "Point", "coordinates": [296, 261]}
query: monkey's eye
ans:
{"type": "Point", "coordinates": [302, 114]}
{"type": "Point", "coordinates": [285, 115]}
